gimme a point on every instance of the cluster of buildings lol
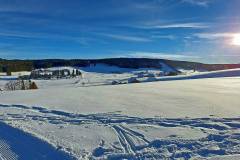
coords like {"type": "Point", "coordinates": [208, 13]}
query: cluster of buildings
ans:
{"type": "Point", "coordinates": [54, 73]}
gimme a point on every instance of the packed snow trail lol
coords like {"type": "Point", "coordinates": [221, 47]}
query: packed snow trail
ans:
{"type": "Point", "coordinates": [222, 135]}
{"type": "Point", "coordinates": [15, 144]}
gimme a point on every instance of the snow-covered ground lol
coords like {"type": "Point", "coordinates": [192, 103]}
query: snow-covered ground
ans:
{"type": "Point", "coordinates": [195, 117]}
{"type": "Point", "coordinates": [15, 144]}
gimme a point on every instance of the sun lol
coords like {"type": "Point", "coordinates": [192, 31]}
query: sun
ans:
{"type": "Point", "coordinates": [236, 40]}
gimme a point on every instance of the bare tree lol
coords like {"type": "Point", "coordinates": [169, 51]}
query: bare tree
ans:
{"type": "Point", "coordinates": [20, 85]}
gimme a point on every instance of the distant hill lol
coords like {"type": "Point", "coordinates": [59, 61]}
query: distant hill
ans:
{"type": "Point", "coordinates": [28, 65]}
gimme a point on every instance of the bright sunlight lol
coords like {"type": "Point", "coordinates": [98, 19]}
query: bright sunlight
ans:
{"type": "Point", "coordinates": [236, 40]}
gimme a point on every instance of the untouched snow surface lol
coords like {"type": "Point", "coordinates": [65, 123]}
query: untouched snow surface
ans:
{"type": "Point", "coordinates": [183, 119]}
{"type": "Point", "coordinates": [192, 98]}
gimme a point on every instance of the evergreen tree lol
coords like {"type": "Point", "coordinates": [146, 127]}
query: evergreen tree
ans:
{"type": "Point", "coordinates": [68, 73]}
{"type": "Point", "coordinates": [78, 72]}
{"type": "Point", "coordinates": [73, 73]}
{"type": "Point", "coordinates": [9, 73]}
{"type": "Point", "coordinates": [23, 85]}
{"type": "Point", "coordinates": [62, 73]}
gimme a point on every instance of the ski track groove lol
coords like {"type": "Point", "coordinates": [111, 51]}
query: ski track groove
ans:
{"type": "Point", "coordinates": [126, 143]}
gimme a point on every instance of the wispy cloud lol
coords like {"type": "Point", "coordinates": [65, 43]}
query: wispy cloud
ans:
{"type": "Point", "coordinates": [31, 35]}
{"type": "Point", "coordinates": [19, 34]}
{"type": "Point", "coordinates": [170, 37]}
{"type": "Point", "coordinates": [203, 3]}
{"type": "Point", "coordinates": [163, 55]}
{"type": "Point", "coordinates": [196, 25]}
{"type": "Point", "coordinates": [214, 36]}
{"type": "Point", "coordinates": [127, 38]}
{"type": "Point", "coordinates": [226, 55]}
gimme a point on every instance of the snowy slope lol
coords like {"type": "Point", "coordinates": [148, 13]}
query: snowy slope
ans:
{"type": "Point", "coordinates": [103, 68]}
{"type": "Point", "coordinates": [193, 98]}
{"type": "Point", "coordinates": [196, 118]}
{"type": "Point", "coordinates": [201, 75]}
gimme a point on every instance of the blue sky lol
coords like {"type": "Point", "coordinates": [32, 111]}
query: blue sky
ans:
{"type": "Point", "coordinates": [194, 30]}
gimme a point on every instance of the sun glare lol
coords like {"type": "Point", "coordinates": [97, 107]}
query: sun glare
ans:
{"type": "Point", "coordinates": [236, 40]}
